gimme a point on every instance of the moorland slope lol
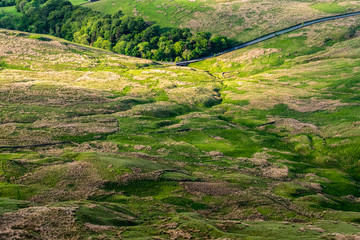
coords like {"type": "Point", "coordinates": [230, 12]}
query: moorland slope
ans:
{"type": "Point", "coordinates": [258, 143]}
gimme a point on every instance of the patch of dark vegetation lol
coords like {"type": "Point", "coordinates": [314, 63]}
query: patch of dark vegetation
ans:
{"type": "Point", "coordinates": [165, 123]}
{"type": "Point", "coordinates": [340, 204]}
{"type": "Point", "coordinates": [109, 215]}
{"type": "Point", "coordinates": [184, 202]}
{"type": "Point", "coordinates": [179, 130]}
{"type": "Point", "coordinates": [265, 124]}
{"type": "Point", "coordinates": [35, 145]}
{"type": "Point", "coordinates": [40, 38]}
{"type": "Point", "coordinates": [161, 109]}
{"type": "Point", "coordinates": [141, 188]}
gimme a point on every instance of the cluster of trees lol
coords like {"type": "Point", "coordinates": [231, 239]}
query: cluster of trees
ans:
{"type": "Point", "coordinates": [24, 5]}
{"type": "Point", "coordinates": [6, 3]}
{"type": "Point", "coordinates": [123, 34]}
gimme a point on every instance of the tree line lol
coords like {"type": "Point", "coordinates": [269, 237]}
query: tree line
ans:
{"type": "Point", "coordinates": [117, 32]}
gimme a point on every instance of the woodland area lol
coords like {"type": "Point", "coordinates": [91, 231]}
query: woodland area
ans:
{"type": "Point", "coordinates": [117, 32]}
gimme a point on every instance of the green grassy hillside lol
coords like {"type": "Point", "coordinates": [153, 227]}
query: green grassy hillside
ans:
{"type": "Point", "coordinates": [261, 143]}
{"type": "Point", "coordinates": [9, 10]}
{"type": "Point", "coordinates": [240, 20]}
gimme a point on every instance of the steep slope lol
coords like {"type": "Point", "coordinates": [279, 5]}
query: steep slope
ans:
{"type": "Point", "coordinates": [262, 142]}
{"type": "Point", "coordinates": [241, 20]}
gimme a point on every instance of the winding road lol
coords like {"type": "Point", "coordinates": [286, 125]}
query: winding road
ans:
{"type": "Point", "coordinates": [271, 35]}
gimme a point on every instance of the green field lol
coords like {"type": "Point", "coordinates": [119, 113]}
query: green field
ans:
{"type": "Point", "coordinates": [259, 143]}
{"type": "Point", "coordinates": [9, 10]}
{"type": "Point", "coordinates": [78, 2]}
{"type": "Point", "coordinates": [330, 7]}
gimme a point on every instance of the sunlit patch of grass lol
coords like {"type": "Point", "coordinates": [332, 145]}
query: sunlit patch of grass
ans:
{"type": "Point", "coordinates": [16, 191]}
{"type": "Point", "coordinates": [330, 7]}
{"type": "Point", "coordinates": [10, 10]}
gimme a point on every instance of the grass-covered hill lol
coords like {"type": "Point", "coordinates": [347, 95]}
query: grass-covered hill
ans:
{"type": "Point", "coordinates": [261, 143]}
{"type": "Point", "coordinates": [240, 20]}
{"type": "Point", "coordinates": [133, 34]}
